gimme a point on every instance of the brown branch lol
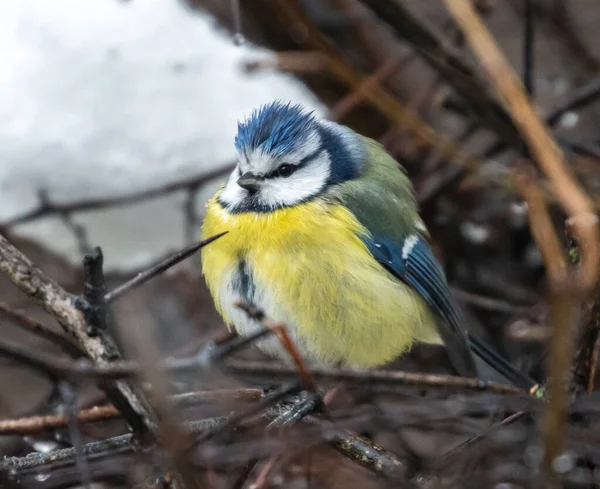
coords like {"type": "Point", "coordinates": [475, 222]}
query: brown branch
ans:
{"type": "Point", "coordinates": [489, 303]}
{"type": "Point", "coordinates": [564, 315]}
{"type": "Point", "coordinates": [541, 144]}
{"type": "Point", "coordinates": [48, 208]}
{"type": "Point", "coordinates": [541, 225]}
{"type": "Point", "coordinates": [265, 370]}
{"type": "Point", "coordinates": [380, 76]}
{"type": "Point", "coordinates": [291, 61]}
{"type": "Point", "coordinates": [171, 434]}
{"type": "Point", "coordinates": [443, 58]}
{"type": "Point", "coordinates": [380, 98]}
{"type": "Point", "coordinates": [59, 304]}
{"type": "Point", "coordinates": [568, 287]}
{"type": "Point", "coordinates": [366, 454]}
{"type": "Point", "coordinates": [38, 424]}
{"type": "Point", "coordinates": [586, 358]}
{"type": "Point", "coordinates": [40, 329]}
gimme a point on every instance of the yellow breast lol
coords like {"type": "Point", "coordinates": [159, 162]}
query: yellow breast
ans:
{"type": "Point", "coordinates": [311, 263]}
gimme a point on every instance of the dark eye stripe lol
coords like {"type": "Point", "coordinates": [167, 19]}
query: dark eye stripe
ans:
{"type": "Point", "coordinates": [303, 162]}
{"type": "Point", "coordinates": [311, 156]}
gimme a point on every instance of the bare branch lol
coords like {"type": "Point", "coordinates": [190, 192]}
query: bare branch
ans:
{"type": "Point", "coordinates": [58, 303]}
{"type": "Point", "coordinates": [541, 144]}
{"type": "Point", "coordinates": [442, 57]}
{"type": "Point", "coordinates": [372, 377]}
{"type": "Point", "coordinates": [158, 268]}
{"type": "Point", "coordinates": [39, 424]}
{"type": "Point", "coordinates": [385, 103]}
{"type": "Point", "coordinates": [569, 288]}
{"type": "Point", "coordinates": [40, 329]}
{"type": "Point", "coordinates": [48, 208]}
{"type": "Point", "coordinates": [108, 447]}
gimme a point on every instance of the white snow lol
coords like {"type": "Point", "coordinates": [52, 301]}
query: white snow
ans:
{"type": "Point", "coordinates": [103, 97]}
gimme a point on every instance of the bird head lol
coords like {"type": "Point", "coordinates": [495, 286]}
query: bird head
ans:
{"type": "Point", "coordinates": [287, 156]}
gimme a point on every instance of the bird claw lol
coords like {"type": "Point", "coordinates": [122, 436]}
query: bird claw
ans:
{"type": "Point", "coordinates": [302, 405]}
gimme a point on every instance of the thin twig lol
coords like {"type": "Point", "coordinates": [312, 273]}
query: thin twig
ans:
{"type": "Point", "coordinates": [581, 97]}
{"type": "Point", "coordinates": [109, 447]}
{"type": "Point", "coordinates": [38, 424]}
{"type": "Point", "coordinates": [528, 49]}
{"type": "Point", "coordinates": [489, 303]}
{"type": "Point", "coordinates": [385, 103]}
{"type": "Point", "coordinates": [40, 329]}
{"type": "Point", "coordinates": [568, 288]}
{"type": "Point", "coordinates": [541, 145]}
{"type": "Point", "coordinates": [381, 75]}
{"type": "Point", "coordinates": [50, 208]}
{"type": "Point", "coordinates": [158, 268]}
{"type": "Point", "coordinates": [474, 439]}
{"type": "Point", "coordinates": [372, 377]}
{"type": "Point", "coordinates": [442, 57]}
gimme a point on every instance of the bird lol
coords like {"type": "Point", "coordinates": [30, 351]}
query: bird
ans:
{"type": "Point", "coordinates": [324, 236]}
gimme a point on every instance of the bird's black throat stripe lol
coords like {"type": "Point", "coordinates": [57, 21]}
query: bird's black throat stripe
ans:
{"type": "Point", "coordinates": [243, 282]}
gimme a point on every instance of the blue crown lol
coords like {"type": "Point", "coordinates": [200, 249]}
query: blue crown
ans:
{"type": "Point", "coordinates": [275, 128]}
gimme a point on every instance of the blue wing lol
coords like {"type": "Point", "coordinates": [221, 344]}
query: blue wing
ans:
{"type": "Point", "coordinates": [414, 263]}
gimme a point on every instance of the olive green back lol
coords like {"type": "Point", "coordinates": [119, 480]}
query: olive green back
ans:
{"type": "Point", "coordinates": [382, 198]}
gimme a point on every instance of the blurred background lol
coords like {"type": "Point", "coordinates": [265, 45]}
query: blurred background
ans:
{"type": "Point", "coordinates": [117, 120]}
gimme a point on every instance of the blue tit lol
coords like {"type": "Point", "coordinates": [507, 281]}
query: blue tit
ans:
{"type": "Point", "coordinates": [324, 236]}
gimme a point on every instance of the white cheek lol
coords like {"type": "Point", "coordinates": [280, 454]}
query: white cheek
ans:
{"type": "Point", "coordinates": [233, 194]}
{"type": "Point", "coordinates": [303, 184]}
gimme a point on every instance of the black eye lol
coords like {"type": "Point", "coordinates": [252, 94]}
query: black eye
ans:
{"type": "Point", "coordinates": [285, 170]}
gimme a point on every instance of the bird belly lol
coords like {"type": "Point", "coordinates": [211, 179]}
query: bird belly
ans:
{"type": "Point", "coordinates": [240, 285]}
{"type": "Point", "coordinates": [306, 267]}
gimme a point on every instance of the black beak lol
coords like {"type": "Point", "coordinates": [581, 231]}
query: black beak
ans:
{"type": "Point", "coordinates": [250, 181]}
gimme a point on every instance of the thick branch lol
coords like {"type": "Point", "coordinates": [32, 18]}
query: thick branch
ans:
{"type": "Point", "coordinates": [58, 303]}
